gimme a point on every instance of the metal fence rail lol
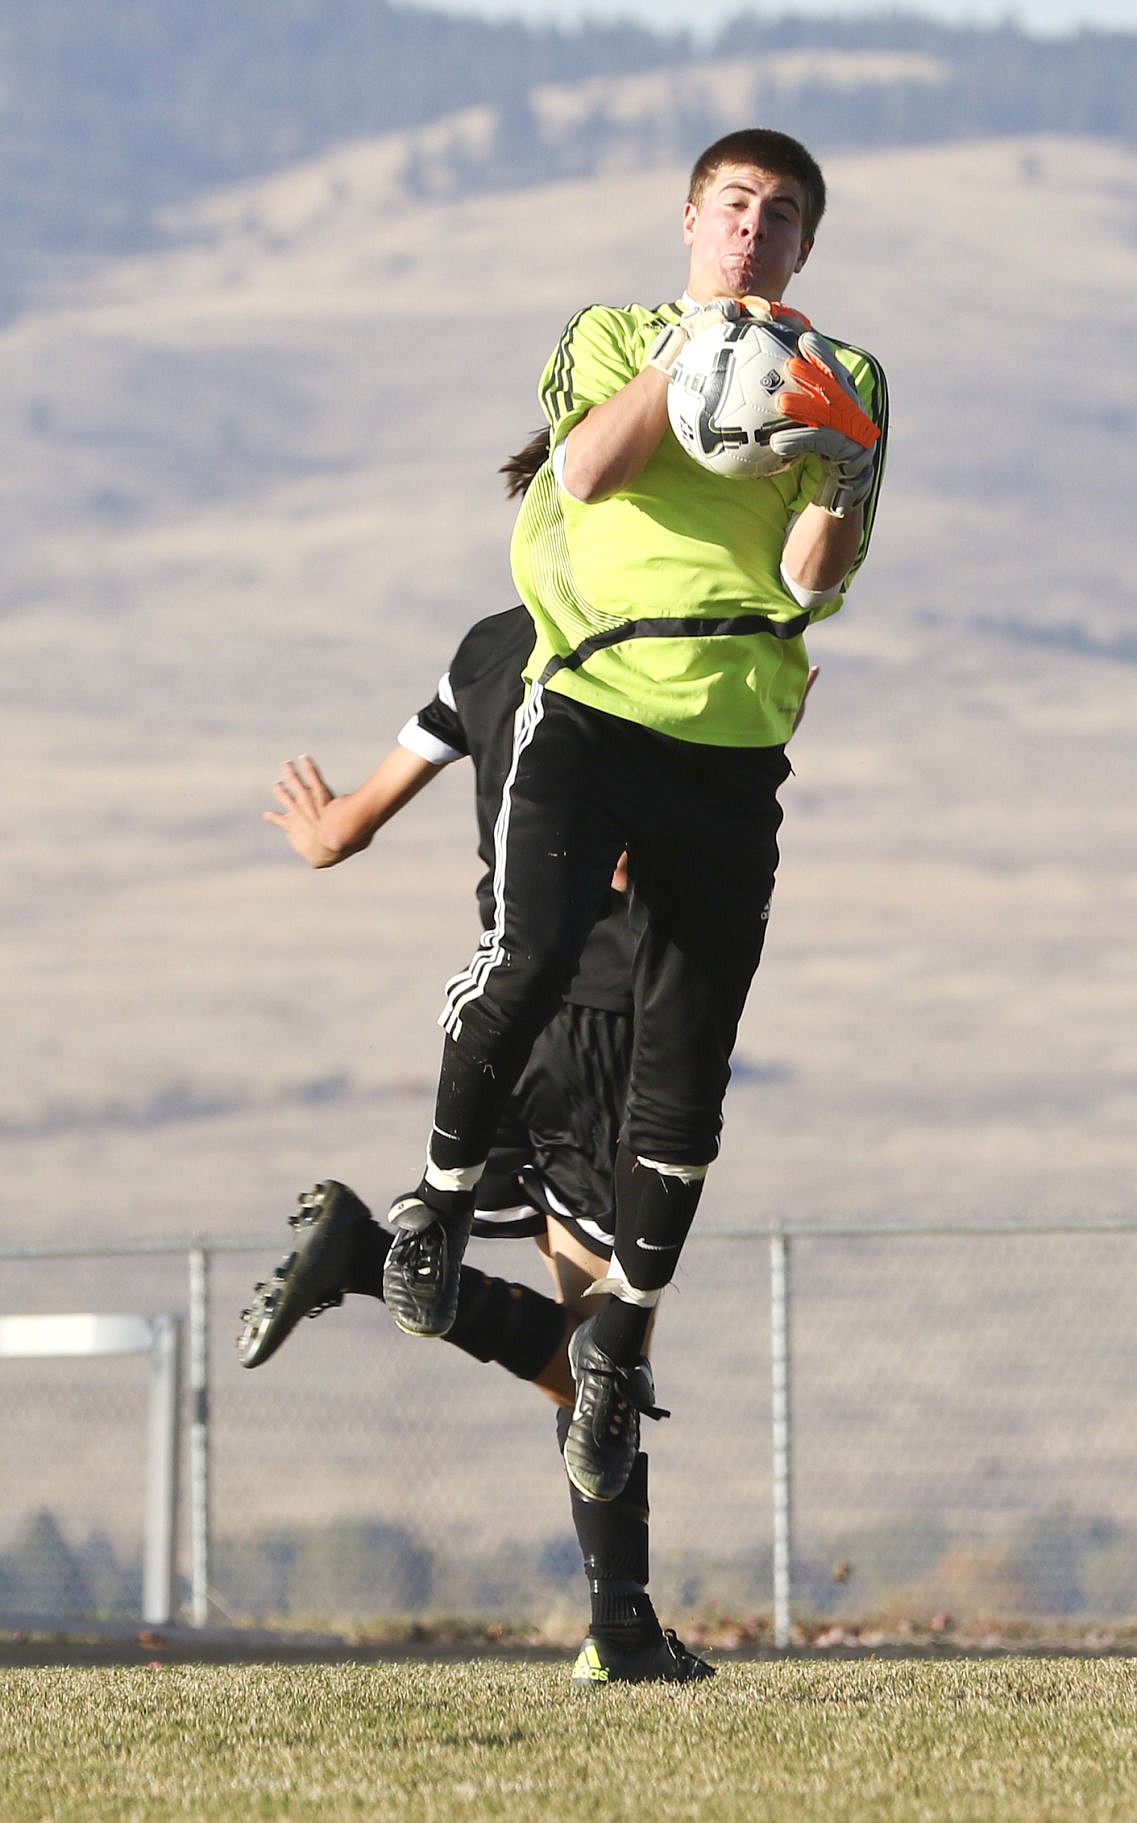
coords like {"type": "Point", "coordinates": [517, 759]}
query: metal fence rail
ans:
{"type": "Point", "coordinates": [863, 1417]}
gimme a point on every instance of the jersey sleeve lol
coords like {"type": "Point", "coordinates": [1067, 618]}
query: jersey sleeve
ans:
{"type": "Point", "coordinates": [869, 380]}
{"type": "Point", "coordinates": [600, 351]}
{"type": "Point", "coordinates": [436, 733]}
{"type": "Point", "coordinates": [871, 385]}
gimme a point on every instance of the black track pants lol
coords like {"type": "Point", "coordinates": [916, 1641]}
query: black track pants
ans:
{"type": "Point", "coordinates": [700, 827]}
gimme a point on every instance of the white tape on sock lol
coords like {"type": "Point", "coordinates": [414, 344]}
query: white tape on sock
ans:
{"type": "Point", "coordinates": [687, 1174]}
{"type": "Point", "coordinates": [617, 1285]}
{"type": "Point", "coordinates": [462, 1179]}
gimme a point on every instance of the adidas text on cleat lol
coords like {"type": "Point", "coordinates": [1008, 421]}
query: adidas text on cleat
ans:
{"type": "Point", "coordinates": [669, 1662]}
{"type": "Point", "coordinates": [308, 1280]}
{"type": "Point", "coordinates": [604, 1433]}
{"type": "Point", "coordinates": [421, 1274]}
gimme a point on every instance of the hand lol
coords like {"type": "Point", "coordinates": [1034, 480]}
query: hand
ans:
{"type": "Point", "coordinates": [849, 470]}
{"type": "Point", "coordinates": [810, 680]}
{"type": "Point", "coordinates": [829, 400]}
{"type": "Point", "coordinates": [303, 795]}
{"type": "Point", "coordinates": [670, 342]}
{"type": "Point", "coordinates": [763, 311]}
{"type": "Point", "coordinates": [830, 422]}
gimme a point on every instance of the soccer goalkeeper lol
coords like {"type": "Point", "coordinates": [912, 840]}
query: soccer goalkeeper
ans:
{"type": "Point", "coordinates": [667, 671]}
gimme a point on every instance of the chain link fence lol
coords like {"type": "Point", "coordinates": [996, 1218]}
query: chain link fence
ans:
{"type": "Point", "coordinates": [895, 1425]}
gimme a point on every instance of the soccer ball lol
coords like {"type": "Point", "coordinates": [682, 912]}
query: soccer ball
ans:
{"type": "Point", "coordinates": [722, 392]}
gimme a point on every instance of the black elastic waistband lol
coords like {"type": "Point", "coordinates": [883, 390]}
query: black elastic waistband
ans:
{"type": "Point", "coordinates": [689, 626]}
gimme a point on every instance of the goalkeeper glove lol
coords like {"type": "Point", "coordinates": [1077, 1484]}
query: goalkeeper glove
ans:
{"type": "Point", "coordinates": [763, 311]}
{"type": "Point", "coordinates": [830, 422]}
{"type": "Point", "coordinates": [670, 342]}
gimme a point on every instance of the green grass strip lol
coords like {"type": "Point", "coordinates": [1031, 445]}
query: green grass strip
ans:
{"type": "Point", "coordinates": [891, 1742]}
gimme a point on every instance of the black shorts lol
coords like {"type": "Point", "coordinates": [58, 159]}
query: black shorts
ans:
{"type": "Point", "coordinates": [556, 1147]}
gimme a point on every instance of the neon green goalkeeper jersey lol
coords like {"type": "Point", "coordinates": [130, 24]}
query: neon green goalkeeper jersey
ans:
{"type": "Point", "coordinates": [664, 604]}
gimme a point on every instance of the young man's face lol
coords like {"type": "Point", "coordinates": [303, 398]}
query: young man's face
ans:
{"type": "Point", "coordinates": [747, 235]}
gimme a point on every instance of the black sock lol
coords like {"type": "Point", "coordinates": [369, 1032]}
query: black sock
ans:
{"type": "Point", "coordinates": [620, 1330]}
{"type": "Point", "coordinates": [654, 1212]}
{"type": "Point", "coordinates": [369, 1245]}
{"type": "Point", "coordinates": [511, 1324]}
{"type": "Point", "coordinates": [613, 1539]}
{"type": "Point", "coordinates": [448, 1205]}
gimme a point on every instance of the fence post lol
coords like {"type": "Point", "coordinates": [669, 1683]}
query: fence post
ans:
{"type": "Point", "coordinates": [199, 1434]}
{"type": "Point", "coordinates": [781, 1435]}
{"type": "Point", "coordinates": [158, 1568]}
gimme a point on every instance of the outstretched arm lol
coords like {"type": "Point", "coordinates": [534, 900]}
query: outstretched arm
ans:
{"type": "Point", "coordinates": [325, 829]}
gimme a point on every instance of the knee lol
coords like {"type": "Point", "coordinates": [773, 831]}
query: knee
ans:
{"type": "Point", "coordinates": [524, 987]}
{"type": "Point", "coordinates": [676, 1140]}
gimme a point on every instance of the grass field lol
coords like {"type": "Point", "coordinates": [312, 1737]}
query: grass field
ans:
{"type": "Point", "coordinates": [1017, 1738]}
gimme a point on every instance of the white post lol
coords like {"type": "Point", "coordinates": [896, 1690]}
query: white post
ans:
{"type": "Point", "coordinates": [199, 1435]}
{"type": "Point", "coordinates": [781, 1436]}
{"type": "Point", "coordinates": [159, 1337]}
{"type": "Point", "coordinates": [158, 1590]}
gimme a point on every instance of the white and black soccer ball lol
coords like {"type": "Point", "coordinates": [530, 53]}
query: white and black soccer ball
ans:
{"type": "Point", "coordinates": [721, 400]}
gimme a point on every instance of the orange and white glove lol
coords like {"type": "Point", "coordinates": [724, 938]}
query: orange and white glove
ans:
{"type": "Point", "coordinates": [671, 341]}
{"type": "Point", "coordinates": [763, 311]}
{"type": "Point", "coordinates": [828, 421]}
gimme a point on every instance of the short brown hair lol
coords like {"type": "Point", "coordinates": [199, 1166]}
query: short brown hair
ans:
{"type": "Point", "coordinates": [770, 151]}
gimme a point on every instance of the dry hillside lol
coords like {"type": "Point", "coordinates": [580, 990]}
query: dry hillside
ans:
{"type": "Point", "coordinates": [249, 500]}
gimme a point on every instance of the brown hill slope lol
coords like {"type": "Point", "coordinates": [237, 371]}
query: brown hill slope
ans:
{"type": "Point", "coordinates": [253, 501]}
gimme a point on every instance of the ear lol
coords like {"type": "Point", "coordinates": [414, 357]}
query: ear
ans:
{"type": "Point", "coordinates": [806, 250]}
{"type": "Point", "coordinates": [690, 217]}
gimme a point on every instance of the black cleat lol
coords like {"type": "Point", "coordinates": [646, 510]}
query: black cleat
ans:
{"type": "Point", "coordinates": [669, 1662]}
{"type": "Point", "coordinates": [309, 1280]}
{"type": "Point", "coordinates": [604, 1434]}
{"type": "Point", "coordinates": [420, 1277]}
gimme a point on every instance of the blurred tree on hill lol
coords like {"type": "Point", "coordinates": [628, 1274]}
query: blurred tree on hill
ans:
{"type": "Point", "coordinates": [112, 110]}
